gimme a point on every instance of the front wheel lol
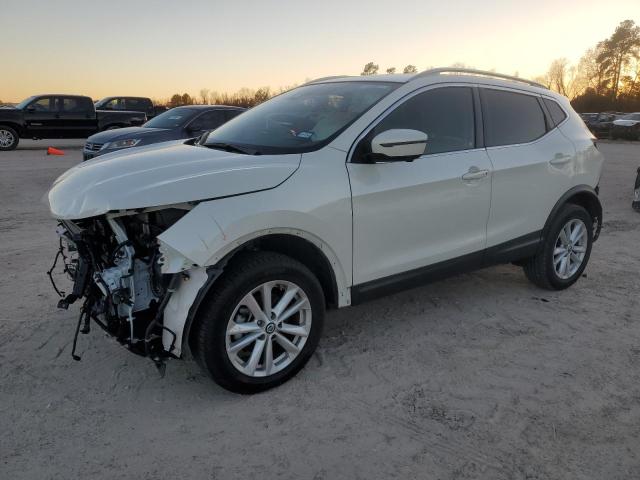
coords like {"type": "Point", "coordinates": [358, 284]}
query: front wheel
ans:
{"type": "Point", "coordinates": [565, 250]}
{"type": "Point", "coordinates": [261, 323]}
{"type": "Point", "coordinates": [8, 138]}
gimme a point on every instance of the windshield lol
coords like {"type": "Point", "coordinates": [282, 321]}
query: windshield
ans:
{"type": "Point", "coordinates": [302, 119]}
{"type": "Point", "coordinates": [631, 116]}
{"type": "Point", "coordinates": [25, 102]}
{"type": "Point", "coordinates": [174, 118]}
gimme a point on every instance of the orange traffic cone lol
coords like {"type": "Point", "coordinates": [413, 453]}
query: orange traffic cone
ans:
{"type": "Point", "coordinates": [54, 151]}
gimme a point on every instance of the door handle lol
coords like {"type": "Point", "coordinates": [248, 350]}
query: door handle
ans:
{"type": "Point", "coordinates": [560, 159]}
{"type": "Point", "coordinates": [475, 173]}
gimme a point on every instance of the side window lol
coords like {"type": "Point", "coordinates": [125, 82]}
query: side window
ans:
{"type": "Point", "coordinates": [557, 114]}
{"type": "Point", "coordinates": [139, 104]}
{"type": "Point", "coordinates": [44, 104]}
{"type": "Point", "coordinates": [511, 118]}
{"type": "Point", "coordinates": [115, 104]}
{"type": "Point", "coordinates": [444, 114]}
{"type": "Point", "coordinates": [75, 105]}
{"type": "Point", "coordinates": [208, 120]}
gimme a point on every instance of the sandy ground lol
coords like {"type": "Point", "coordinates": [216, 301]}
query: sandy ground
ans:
{"type": "Point", "coordinates": [480, 376]}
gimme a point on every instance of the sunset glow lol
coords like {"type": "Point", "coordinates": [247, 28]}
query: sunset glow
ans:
{"type": "Point", "coordinates": [157, 48]}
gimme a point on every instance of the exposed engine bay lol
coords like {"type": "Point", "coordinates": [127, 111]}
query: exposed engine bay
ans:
{"type": "Point", "coordinates": [115, 265]}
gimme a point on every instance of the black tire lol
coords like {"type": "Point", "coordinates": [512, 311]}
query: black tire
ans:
{"type": "Point", "coordinates": [11, 133]}
{"type": "Point", "coordinates": [539, 269]}
{"type": "Point", "coordinates": [244, 273]}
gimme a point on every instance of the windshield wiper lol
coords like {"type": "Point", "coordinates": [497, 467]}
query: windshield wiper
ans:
{"type": "Point", "coordinates": [227, 147]}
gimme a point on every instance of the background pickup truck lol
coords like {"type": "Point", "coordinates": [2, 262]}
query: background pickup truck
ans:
{"type": "Point", "coordinates": [137, 104]}
{"type": "Point", "coordinates": [59, 116]}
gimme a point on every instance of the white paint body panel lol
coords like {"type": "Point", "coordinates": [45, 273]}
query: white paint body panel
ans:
{"type": "Point", "coordinates": [526, 186]}
{"type": "Point", "coordinates": [315, 203]}
{"type": "Point", "coordinates": [410, 214]}
{"type": "Point", "coordinates": [162, 174]}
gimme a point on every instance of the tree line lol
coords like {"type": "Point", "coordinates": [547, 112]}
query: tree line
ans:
{"type": "Point", "coordinates": [607, 77]}
{"type": "Point", "coordinates": [245, 97]}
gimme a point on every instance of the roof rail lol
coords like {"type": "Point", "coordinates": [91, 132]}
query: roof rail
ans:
{"type": "Point", "coordinates": [483, 73]}
{"type": "Point", "coordinates": [322, 79]}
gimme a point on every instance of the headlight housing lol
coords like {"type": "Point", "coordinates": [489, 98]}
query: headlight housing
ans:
{"type": "Point", "coordinates": [127, 143]}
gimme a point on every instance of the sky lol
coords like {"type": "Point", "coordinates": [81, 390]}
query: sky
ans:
{"type": "Point", "coordinates": [156, 48]}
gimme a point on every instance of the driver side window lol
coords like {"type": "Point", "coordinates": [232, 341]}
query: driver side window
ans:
{"type": "Point", "coordinates": [44, 104]}
{"type": "Point", "coordinates": [445, 114]}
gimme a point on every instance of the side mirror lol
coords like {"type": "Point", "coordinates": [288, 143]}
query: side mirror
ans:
{"type": "Point", "coordinates": [31, 109]}
{"type": "Point", "coordinates": [398, 144]}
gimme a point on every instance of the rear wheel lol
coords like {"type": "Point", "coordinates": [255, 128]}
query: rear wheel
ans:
{"type": "Point", "coordinates": [8, 138]}
{"type": "Point", "coordinates": [565, 250]}
{"type": "Point", "coordinates": [261, 323]}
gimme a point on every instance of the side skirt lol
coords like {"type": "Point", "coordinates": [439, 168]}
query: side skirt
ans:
{"type": "Point", "coordinates": [511, 251]}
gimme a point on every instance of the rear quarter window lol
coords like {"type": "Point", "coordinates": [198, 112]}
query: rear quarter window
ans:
{"type": "Point", "coordinates": [510, 118]}
{"type": "Point", "coordinates": [141, 104]}
{"type": "Point", "coordinates": [557, 113]}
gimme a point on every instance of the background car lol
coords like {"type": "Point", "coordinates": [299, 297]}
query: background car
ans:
{"type": "Point", "coordinates": [180, 122]}
{"type": "Point", "coordinates": [59, 116]}
{"type": "Point", "coordinates": [601, 124]}
{"type": "Point", "coordinates": [627, 126]}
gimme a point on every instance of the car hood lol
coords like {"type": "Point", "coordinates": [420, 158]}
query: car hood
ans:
{"type": "Point", "coordinates": [123, 134]}
{"type": "Point", "coordinates": [626, 123]}
{"type": "Point", "coordinates": [163, 174]}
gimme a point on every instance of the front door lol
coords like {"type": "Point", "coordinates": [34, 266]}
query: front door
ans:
{"type": "Point", "coordinates": [41, 117]}
{"type": "Point", "coordinates": [408, 215]}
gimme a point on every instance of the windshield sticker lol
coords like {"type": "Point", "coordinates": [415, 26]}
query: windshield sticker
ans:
{"type": "Point", "coordinates": [305, 135]}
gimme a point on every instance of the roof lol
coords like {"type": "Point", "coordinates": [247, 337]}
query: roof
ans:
{"type": "Point", "coordinates": [450, 74]}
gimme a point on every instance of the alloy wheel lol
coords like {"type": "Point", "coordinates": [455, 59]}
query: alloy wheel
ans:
{"type": "Point", "coordinates": [268, 328]}
{"type": "Point", "coordinates": [570, 248]}
{"type": "Point", "coordinates": [6, 138]}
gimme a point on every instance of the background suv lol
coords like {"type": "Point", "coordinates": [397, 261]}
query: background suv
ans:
{"type": "Point", "coordinates": [180, 122]}
{"type": "Point", "coordinates": [336, 192]}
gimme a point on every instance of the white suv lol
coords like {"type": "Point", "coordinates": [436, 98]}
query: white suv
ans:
{"type": "Point", "coordinates": [336, 192]}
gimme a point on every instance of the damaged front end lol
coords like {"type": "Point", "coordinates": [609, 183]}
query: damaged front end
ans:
{"type": "Point", "coordinates": [115, 263]}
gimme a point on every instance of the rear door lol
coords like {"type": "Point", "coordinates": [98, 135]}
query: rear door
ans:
{"type": "Point", "coordinates": [532, 164]}
{"type": "Point", "coordinates": [41, 117]}
{"type": "Point", "coordinates": [76, 117]}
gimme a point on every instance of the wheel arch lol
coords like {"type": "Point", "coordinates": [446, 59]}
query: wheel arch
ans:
{"type": "Point", "coordinates": [295, 245]}
{"type": "Point", "coordinates": [14, 126]}
{"type": "Point", "coordinates": [585, 196]}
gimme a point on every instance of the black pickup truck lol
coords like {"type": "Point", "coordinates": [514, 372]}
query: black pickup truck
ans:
{"type": "Point", "coordinates": [59, 116]}
{"type": "Point", "coordinates": [136, 104]}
